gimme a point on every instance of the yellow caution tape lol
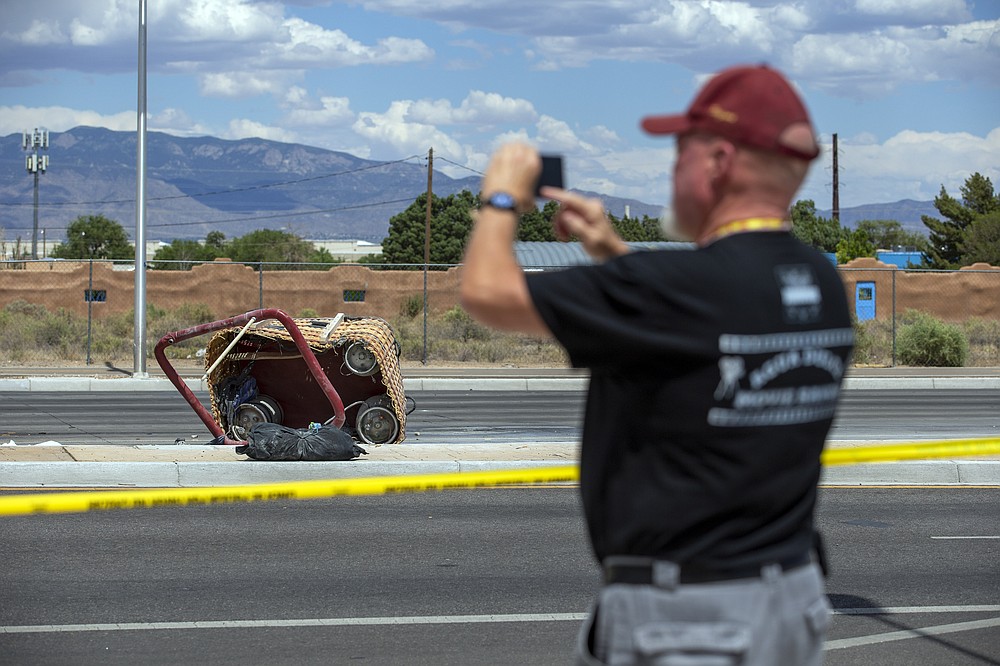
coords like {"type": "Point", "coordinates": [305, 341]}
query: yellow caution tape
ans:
{"type": "Point", "coordinates": [955, 448]}
{"type": "Point", "coordinates": [75, 502]}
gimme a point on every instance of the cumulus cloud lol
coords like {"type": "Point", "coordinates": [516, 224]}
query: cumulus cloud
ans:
{"type": "Point", "coordinates": [854, 62]}
{"type": "Point", "coordinates": [15, 119]}
{"type": "Point", "coordinates": [208, 37]}
{"type": "Point", "coordinates": [850, 48]}
{"type": "Point", "coordinates": [330, 111]}
{"type": "Point", "coordinates": [308, 43]}
{"type": "Point", "coordinates": [557, 136]}
{"type": "Point", "coordinates": [399, 136]}
{"type": "Point", "coordinates": [176, 122]}
{"type": "Point", "coordinates": [478, 108]}
{"type": "Point", "coordinates": [218, 20]}
{"type": "Point", "coordinates": [908, 165]}
{"type": "Point", "coordinates": [926, 11]}
{"type": "Point", "coordinates": [243, 128]}
{"type": "Point", "coordinates": [245, 83]}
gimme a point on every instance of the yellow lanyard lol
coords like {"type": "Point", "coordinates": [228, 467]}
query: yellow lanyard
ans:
{"type": "Point", "coordinates": [750, 224]}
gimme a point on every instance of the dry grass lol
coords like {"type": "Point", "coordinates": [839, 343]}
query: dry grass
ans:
{"type": "Point", "coordinates": [32, 335]}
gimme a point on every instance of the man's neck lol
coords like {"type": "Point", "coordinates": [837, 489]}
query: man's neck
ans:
{"type": "Point", "coordinates": [727, 214]}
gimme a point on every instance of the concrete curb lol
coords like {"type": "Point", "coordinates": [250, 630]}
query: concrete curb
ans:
{"type": "Point", "coordinates": [183, 474]}
{"type": "Point", "coordinates": [55, 473]}
{"type": "Point", "coordinates": [916, 473]}
{"type": "Point", "coordinates": [243, 472]}
{"type": "Point", "coordinates": [131, 384]}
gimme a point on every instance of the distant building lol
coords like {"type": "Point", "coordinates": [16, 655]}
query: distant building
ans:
{"type": "Point", "coordinates": [902, 259]}
{"type": "Point", "coordinates": [347, 250]}
{"type": "Point", "coordinates": [344, 250]}
{"type": "Point", "coordinates": [538, 255]}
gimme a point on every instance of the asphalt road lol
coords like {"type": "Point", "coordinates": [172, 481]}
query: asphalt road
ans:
{"type": "Point", "coordinates": [161, 417]}
{"type": "Point", "coordinates": [499, 576]}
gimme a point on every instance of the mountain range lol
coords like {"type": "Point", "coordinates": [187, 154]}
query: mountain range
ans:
{"type": "Point", "coordinates": [195, 185]}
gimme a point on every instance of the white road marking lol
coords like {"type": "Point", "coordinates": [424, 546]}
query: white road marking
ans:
{"type": "Point", "coordinates": [306, 622]}
{"type": "Point", "coordinates": [902, 610]}
{"type": "Point", "coordinates": [965, 537]}
{"type": "Point", "coordinates": [464, 619]}
{"type": "Point", "coordinates": [911, 633]}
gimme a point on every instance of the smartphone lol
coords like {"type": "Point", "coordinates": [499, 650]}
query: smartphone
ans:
{"type": "Point", "coordinates": [552, 173]}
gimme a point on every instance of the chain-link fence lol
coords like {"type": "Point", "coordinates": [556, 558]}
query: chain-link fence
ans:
{"type": "Point", "coordinates": [82, 311]}
{"type": "Point", "coordinates": [905, 315]}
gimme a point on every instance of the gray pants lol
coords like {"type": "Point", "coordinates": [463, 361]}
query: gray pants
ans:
{"type": "Point", "coordinates": [778, 619]}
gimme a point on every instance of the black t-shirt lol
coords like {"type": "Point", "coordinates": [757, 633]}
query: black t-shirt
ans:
{"type": "Point", "coordinates": [715, 374]}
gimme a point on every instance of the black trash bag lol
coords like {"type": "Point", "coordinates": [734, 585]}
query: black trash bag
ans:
{"type": "Point", "coordinates": [272, 441]}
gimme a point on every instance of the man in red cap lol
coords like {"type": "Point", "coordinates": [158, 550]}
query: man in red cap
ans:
{"type": "Point", "coordinates": [714, 379]}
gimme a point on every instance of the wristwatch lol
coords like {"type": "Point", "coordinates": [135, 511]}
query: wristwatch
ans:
{"type": "Point", "coordinates": [501, 201]}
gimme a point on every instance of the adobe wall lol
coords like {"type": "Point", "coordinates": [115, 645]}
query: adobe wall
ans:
{"type": "Point", "coordinates": [230, 289]}
{"type": "Point", "coordinates": [971, 292]}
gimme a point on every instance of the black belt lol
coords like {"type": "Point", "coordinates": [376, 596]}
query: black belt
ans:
{"type": "Point", "coordinates": [640, 571]}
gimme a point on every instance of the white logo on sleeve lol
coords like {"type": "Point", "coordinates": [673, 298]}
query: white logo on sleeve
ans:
{"type": "Point", "coordinates": [800, 296]}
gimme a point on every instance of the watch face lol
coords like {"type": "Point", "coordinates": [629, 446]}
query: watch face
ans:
{"type": "Point", "coordinates": [502, 200]}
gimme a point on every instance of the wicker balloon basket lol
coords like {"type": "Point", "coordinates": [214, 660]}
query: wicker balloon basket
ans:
{"type": "Point", "coordinates": [258, 373]}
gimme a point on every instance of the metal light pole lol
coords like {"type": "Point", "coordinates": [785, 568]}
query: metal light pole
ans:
{"type": "Point", "coordinates": [35, 164]}
{"type": "Point", "coordinates": [139, 342]}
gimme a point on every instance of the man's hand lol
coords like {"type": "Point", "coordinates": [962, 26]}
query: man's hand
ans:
{"type": "Point", "coordinates": [584, 218]}
{"type": "Point", "coordinates": [494, 289]}
{"type": "Point", "coordinates": [514, 169]}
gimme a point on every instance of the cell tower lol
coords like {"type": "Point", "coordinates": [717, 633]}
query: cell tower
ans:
{"type": "Point", "coordinates": [35, 164]}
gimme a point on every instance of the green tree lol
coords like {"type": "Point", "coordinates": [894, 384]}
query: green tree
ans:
{"type": "Point", "coordinates": [270, 245]}
{"type": "Point", "coordinates": [651, 230]}
{"type": "Point", "coordinates": [536, 225]}
{"type": "Point", "coordinates": [629, 228]}
{"type": "Point", "coordinates": [217, 241]}
{"type": "Point", "coordinates": [182, 254]}
{"type": "Point", "coordinates": [451, 223]}
{"type": "Point", "coordinates": [855, 244]}
{"type": "Point", "coordinates": [321, 255]}
{"type": "Point", "coordinates": [982, 240]}
{"type": "Point", "coordinates": [811, 229]}
{"type": "Point", "coordinates": [946, 236]}
{"type": "Point", "coordinates": [94, 237]}
{"type": "Point", "coordinates": [887, 234]}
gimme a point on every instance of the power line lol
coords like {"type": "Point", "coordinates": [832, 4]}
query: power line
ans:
{"type": "Point", "coordinates": [249, 188]}
{"type": "Point", "coordinates": [282, 215]}
{"type": "Point", "coordinates": [258, 217]}
{"type": "Point", "coordinates": [461, 166]}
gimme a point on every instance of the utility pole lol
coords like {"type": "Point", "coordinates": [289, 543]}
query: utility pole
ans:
{"type": "Point", "coordinates": [836, 182]}
{"type": "Point", "coordinates": [427, 238]}
{"type": "Point", "coordinates": [36, 164]}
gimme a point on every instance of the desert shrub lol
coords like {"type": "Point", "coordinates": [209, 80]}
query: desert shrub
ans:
{"type": "Point", "coordinates": [926, 341]}
{"type": "Point", "coordinates": [22, 308]}
{"type": "Point", "coordinates": [412, 306]}
{"type": "Point", "coordinates": [984, 341]}
{"type": "Point", "coordinates": [872, 343]}
{"type": "Point", "coordinates": [199, 313]}
{"type": "Point", "coordinates": [460, 325]}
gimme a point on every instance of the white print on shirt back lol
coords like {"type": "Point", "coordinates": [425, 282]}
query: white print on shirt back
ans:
{"type": "Point", "coordinates": [757, 405]}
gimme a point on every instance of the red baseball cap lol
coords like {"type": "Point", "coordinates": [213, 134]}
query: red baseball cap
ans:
{"type": "Point", "coordinates": [752, 105]}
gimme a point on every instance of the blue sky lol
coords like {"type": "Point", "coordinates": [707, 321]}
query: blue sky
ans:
{"type": "Point", "coordinates": [911, 87]}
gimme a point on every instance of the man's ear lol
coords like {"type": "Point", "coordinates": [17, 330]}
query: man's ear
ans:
{"type": "Point", "coordinates": [722, 156]}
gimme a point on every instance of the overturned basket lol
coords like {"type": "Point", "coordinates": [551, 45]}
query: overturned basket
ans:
{"type": "Point", "coordinates": [264, 366]}
{"type": "Point", "coordinates": [359, 355]}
